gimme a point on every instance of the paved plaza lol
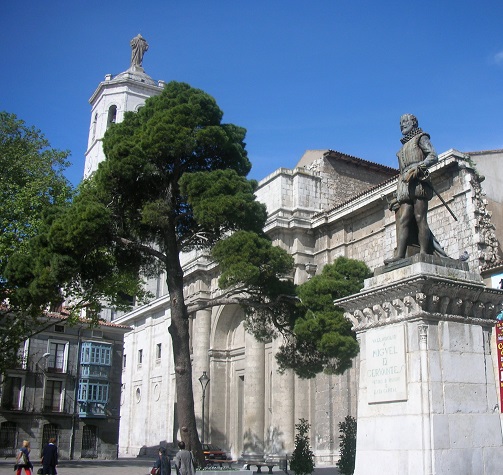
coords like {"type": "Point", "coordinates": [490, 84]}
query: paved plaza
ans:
{"type": "Point", "coordinates": [133, 466]}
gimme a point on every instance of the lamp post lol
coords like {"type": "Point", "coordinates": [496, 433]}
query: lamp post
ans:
{"type": "Point", "coordinates": [204, 380]}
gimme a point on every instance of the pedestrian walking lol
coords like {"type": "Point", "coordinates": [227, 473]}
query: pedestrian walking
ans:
{"type": "Point", "coordinates": [162, 465]}
{"type": "Point", "coordinates": [184, 461]}
{"type": "Point", "coordinates": [23, 459]}
{"type": "Point", "coordinates": [50, 458]}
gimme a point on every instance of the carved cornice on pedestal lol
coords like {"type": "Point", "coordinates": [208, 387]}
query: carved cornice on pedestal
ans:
{"type": "Point", "coordinates": [422, 297]}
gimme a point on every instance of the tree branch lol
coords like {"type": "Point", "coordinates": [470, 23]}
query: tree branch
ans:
{"type": "Point", "coordinates": [142, 247]}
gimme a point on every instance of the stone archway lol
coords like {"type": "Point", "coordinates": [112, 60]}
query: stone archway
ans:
{"type": "Point", "coordinates": [227, 368]}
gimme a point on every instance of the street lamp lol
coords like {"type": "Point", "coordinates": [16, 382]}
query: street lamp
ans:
{"type": "Point", "coordinates": [204, 380]}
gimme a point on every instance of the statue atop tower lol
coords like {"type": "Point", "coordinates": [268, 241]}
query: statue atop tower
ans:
{"type": "Point", "coordinates": [139, 46]}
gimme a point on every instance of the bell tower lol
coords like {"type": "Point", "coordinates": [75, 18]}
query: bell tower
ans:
{"type": "Point", "coordinates": [116, 95]}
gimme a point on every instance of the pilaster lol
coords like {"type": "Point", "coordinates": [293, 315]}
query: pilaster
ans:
{"type": "Point", "coordinates": [253, 436]}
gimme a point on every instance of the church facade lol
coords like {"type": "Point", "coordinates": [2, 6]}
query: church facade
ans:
{"type": "Point", "coordinates": [331, 204]}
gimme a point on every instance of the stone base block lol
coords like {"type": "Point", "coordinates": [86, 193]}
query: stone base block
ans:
{"type": "Point", "coordinates": [428, 401]}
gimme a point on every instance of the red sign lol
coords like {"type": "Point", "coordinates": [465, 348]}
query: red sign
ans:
{"type": "Point", "coordinates": [499, 345]}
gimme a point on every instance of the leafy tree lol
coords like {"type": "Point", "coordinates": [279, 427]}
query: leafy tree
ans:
{"type": "Point", "coordinates": [347, 429]}
{"type": "Point", "coordinates": [321, 338]}
{"type": "Point", "coordinates": [173, 181]}
{"type": "Point", "coordinates": [32, 187]}
{"type": "Point", "coordinates": [302, 461]}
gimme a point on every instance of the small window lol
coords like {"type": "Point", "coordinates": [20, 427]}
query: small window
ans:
{"type": "Point", "coordinates": [52, 397]}
{"type": "Point", "coordinates": [95, 121]}
{"type": "Point", "coordinates": [59, 328]}
{"type": "Point", "coordinates": [158, 350]}
{"type": "Point", "coordinates": [112, 116]}
{"type": "Point", "coordinates": [140, 356]}
{"type": "Point", "coordinates": [124, 361]}
{"type": "Point", "coordinates": [12, 393]}
{"type": "Point", "coordinates": [56, 362]}
{"type": "Point", "coordinates": [97, 334]}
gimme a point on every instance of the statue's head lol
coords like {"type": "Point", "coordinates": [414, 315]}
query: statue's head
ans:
{"type": "Point", "coordinates": [407, 123]}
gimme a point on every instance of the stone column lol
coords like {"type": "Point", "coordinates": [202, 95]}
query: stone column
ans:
{"type": "Point", "coordinates": [254, 394]}
{"type": "Point", "coordinates": [427, 388]}
{"type": "Point", "coordinates": [282, 429]}
{"type": "Point", "coordinates": [200, 347]}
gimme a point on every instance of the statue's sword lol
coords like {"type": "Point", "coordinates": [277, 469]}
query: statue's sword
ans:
{"type": "Point", "coordinates": [424, 179]}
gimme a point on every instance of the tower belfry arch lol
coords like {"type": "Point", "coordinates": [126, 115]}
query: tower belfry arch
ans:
{"type": "Point", "coordinates": [116, 95]}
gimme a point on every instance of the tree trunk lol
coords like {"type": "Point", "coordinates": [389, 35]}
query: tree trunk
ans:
{"type": "Point", "coordinates": [179, 330]}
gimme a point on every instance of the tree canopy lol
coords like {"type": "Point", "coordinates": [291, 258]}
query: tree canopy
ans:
{"type": "Point", "coordinates": [174, 180]}
{"type": "Point", "coordinates": [32, 189]}
{"type": "Point", "coordinates": [322, 339]}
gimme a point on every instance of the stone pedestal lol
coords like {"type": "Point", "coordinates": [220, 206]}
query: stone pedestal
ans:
{"type": "Point", "coordinates": [427, 400]}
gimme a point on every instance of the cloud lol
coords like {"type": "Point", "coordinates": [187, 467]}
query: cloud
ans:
{"type": "Point", "coordinates": [498, 58]}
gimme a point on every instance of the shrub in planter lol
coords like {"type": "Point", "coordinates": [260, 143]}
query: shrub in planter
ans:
{"type": "Point", "coordinates": [302, 460]}
{"type": "Point", "coordinates": [347, 445]}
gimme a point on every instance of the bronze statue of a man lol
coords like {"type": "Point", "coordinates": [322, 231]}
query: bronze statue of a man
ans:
{"type": "Point", "coordinates": [414, 190]}
{"type": "Point", "coordinates": [138, 46]}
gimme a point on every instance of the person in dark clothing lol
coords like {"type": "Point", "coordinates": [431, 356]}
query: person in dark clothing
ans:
{"type": "Point", "coordinates": [50, 457]}
{"type": "Point", "coordinates": [184, 460]}
{"type": "Point", "coordinates": [163, 462]}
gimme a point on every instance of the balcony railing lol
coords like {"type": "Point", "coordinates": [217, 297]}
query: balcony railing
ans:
{"type": "Point", "coordinates": [92, 409]}
{"type": "Point", "coordinates": [94, 371]}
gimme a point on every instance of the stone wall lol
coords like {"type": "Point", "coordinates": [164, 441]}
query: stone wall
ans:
{"type": "Point", "coordinates": [249, 407]}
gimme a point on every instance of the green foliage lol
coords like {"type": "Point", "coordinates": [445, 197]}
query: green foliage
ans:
{"type": "Point", "coordinates": [322, 338]}
{"type": "Point", "coordinates": [302, 461]}
{"type": "Point", "coordinates": [223, 202]}
{"type": "Point", "coordinates": [32, 190]}
{"type": "Point", "coordinates": [161, 158]}
{"type": "Point", "coordinates": [173, 181]}
{"type": "Point", "coordinates": [246, 257]}
{"type": "Point", "coordinates": [249, 263]}
{"type": "Point", "coordinates": [31, 182]}
{"type": "Point", "coordinates": [347, 429]}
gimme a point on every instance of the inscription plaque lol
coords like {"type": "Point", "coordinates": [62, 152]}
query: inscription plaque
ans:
{"type": "Point", "coordinates": [386, 364]}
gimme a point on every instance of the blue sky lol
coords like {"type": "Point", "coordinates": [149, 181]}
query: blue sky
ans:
{"type": "Point", "coordinates": [297, 75]}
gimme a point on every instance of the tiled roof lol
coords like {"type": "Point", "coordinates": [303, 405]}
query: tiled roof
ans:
{"type": "Point", "coordinates": [102, 323]}
{"type": "Point", "coordinates": [360, 161]}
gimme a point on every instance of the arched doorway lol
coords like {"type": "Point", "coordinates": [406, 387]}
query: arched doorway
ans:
{"type": "Point", "coordinates": [49, 431]}
{"type": "Point", "coordinates": [227, 360]}
{"type": "Point", "coordinates": [89, 442]}
{"type": "Point", "coordinates": [8, 439]}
